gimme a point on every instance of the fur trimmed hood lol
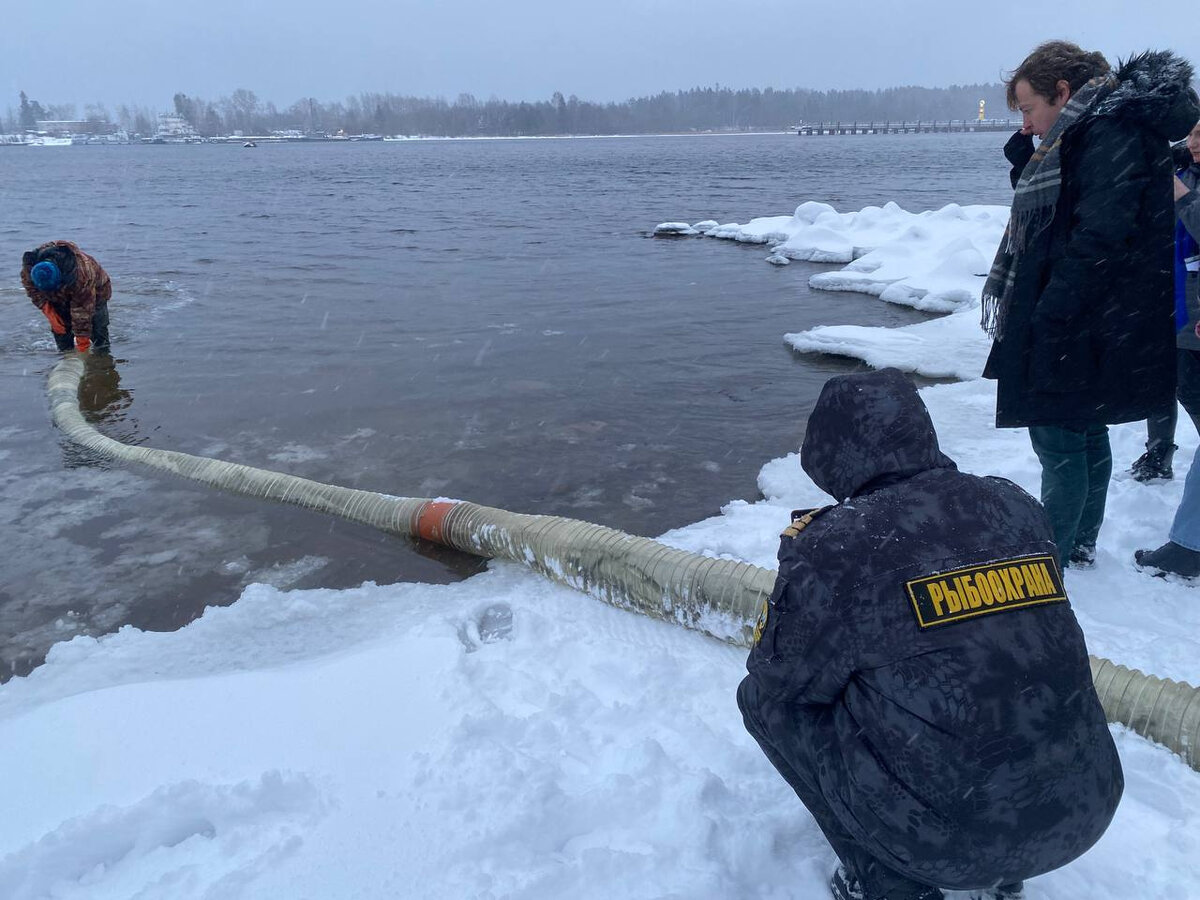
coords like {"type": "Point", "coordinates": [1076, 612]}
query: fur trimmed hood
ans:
{"type": "Point", "coordinates": [1155, 90]}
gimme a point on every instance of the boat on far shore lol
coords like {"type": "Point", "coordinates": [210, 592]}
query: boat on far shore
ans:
{"type": "Point", "coordinates": [45, 140]}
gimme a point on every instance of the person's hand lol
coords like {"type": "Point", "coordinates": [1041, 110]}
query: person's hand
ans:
{"type": "Point", "coordinates": [1198, 329]}
{"type": "Point", "coordinates": [1181, 189]}
{"type": "Point", "coordinates": [83, 344]}
{"type": "Point", "coordinates": [56, 322]}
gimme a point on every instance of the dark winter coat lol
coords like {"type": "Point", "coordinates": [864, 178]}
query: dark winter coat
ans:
{"type": "Point", "coordinates": [1090, 334]}
{"type": "Point", "coordinates": [85, 284]}
{"type": "Point", "coordinates": [920, 648]}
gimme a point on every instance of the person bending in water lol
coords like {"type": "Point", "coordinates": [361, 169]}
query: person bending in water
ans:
{"type": "Point", "coordinates": [72, 290]}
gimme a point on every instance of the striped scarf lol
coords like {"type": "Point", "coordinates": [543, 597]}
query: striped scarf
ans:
{"type": "Point", "coordinates": [1033, 203]}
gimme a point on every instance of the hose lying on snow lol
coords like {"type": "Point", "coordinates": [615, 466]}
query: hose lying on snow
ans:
{"type": "Point", "coordinates": [719, 597]}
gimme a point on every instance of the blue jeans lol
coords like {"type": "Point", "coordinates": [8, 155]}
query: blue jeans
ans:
{"type": "Point", "coordinates": [1185, 530]}
{"type": "Point", "coordinates": [1076, 466]}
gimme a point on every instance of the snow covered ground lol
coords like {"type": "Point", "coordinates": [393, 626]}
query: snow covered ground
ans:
{"type": "Point", "coordinates": [381, 743]}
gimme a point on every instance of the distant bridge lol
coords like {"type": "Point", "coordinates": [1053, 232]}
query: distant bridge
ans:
{"type": "Point", "coordinates": [934, 126]}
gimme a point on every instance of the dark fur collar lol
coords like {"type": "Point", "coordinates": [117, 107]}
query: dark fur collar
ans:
{"type": "Point", "coordinates": [1155, 90]}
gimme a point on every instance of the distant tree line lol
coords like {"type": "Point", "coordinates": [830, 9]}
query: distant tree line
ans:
{"type": "Point", "coordinates": [142, 120]}
{"type": "Point", "coordinates": [698, 109]}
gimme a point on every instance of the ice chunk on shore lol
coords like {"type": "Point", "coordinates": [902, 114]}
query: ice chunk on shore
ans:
{"type": "Point", "coordinates": [934, 261]}
{"type": "Point", "coordinates": [667, 229]}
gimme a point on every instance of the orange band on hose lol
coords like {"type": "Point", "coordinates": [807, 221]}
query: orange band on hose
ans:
{"type": "Point", "coordinates": [431, 518]}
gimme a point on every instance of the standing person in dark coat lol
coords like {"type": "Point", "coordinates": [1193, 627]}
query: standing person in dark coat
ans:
{"type": "Point", "coordinates": [918, 676]}
{"type": "Point", "coordinates": [1180, 555]}
{"type": "Point", "coordinates": [1080, 297]}
{"type": "Point", "coordinates": [72, 290]}
{"type": "Point", "coordinates": [1155, 463]}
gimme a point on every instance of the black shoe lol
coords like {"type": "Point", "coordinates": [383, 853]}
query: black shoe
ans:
{"type": "Point", "coordinates": [1014, 891]}
{"type": "Point", "coordinates": [1154, 464]}
{"type": "Point", "coordinates": [1082, 557]}
{"type": "Point", "coordinates": [1169, 559]}
{"type": "Point", "coordinates": [845, 886]}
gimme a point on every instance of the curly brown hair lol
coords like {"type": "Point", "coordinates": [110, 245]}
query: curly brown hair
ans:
{"type": "Point", "coordinates": [1052, 62]}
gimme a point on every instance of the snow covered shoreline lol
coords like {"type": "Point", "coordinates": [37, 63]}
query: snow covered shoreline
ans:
{"type": "Point", "coordinates": [369, 743]}
{"type": "Point", "coordinates": [933, 261]}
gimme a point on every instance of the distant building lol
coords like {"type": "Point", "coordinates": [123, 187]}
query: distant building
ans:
{"type": "Point", "coordinates": [173, 129]}
{"type": "Point", "coordinates": [69, 127]}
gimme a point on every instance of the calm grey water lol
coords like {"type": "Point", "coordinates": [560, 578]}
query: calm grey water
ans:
{"type": "Point", "coordinates": [486, 320]}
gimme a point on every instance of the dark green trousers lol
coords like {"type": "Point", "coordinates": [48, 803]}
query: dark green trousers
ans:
{"type": "Point", "coordinates": [1076, 467]}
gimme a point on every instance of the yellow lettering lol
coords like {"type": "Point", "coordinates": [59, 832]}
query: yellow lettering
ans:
{"type": "Point", "coordinates": [985, 591]}
{"type": "Point", "coordinates": [1050, 588]}
{"type": "Point", "coordinates": [969, 594]}
{"type": "Point", "coordinates": [952, 601]}
{"type": "Point", "coordinates": [996, 583]}
{"type": "Point", "coordinates": [1006, 574]}
{"type": "Point", "coordinates": [1018, 581]}
{"type": "Point", "coordinates": [1032, 581]}
{"type": "Point", "coordinates": [958, 594]}
{"type": "Point", "coordinates": [935, 594]}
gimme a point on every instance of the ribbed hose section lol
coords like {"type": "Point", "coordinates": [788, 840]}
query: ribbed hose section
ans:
{"type": "Point", "coordinates": [391, 514]}
{"type": "Point", "coordinates": [1163, 710]}
{"type": "Point", "coordinates": [719, 597]}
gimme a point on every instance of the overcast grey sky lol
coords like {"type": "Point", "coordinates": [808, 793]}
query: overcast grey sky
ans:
{"type": "Point", "coordinates": [144, 51]}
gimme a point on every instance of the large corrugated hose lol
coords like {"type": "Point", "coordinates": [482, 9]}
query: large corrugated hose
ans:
{"type": "Point", "coordinates": [719, 597]}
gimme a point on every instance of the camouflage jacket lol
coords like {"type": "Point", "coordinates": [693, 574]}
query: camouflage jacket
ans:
{"type": "Point", "coordinates": [85, 284]}
{"type": "Point", "coordinates": [920, 653]}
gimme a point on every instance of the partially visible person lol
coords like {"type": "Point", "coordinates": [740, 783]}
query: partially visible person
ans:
{"type": "Point", "coordinates": [918, 676]}
{"type": "Point", "coordinates": [1156, 463]}
{"type": "Point", "coordinates": [72, 290]}
{"type": "Point", "coordinates": [1079, 300]}
{"type": "Point", "coordinates": [1180, 555]}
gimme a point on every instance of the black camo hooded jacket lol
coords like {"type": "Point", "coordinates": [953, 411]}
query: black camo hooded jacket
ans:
{"type": "Point", "coordinates": [920, 654]}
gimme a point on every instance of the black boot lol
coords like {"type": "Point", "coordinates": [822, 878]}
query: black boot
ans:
{"type": "Point", "coordinates": [1082, 557]}
{"type": "Point", "coordinates": [845, 886]}
{"type": "Point", "coordinates": [1155, 463]}
{"type": "Point", "coordinates": [1014, 891]}
{"type": "Point", "coordinates": [1169, 559]}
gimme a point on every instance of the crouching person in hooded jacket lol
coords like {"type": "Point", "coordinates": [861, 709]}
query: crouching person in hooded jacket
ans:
{"type": "Point", "coordinates": [918, 676]}
{"type": "Point", "coordinates": [72, 290]}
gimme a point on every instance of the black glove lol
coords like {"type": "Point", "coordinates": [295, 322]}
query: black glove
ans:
{"type": "Point", "coordinates": [1018, 151]}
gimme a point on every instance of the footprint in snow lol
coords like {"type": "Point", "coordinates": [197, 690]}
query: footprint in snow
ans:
{"type": "Point", "coordinates": [493, 623]}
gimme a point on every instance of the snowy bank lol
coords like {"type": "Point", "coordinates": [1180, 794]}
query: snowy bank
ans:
{"type": "Point", "coordinates": [371, 743]}
{"type": "Point", "coordinates": [318, 744]}
{"type": "Point", "coordinates": [935, 261]}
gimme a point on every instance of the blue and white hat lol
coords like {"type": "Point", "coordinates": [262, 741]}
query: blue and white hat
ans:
{"type": "Point", "coordinates": [46, 276]}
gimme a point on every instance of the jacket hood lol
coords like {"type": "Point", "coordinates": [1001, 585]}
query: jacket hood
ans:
{"type": "Point", "coordinates": [61, 253]}
{"type": "Point", "coordinates": [1155, 90]}
{"type": "Point", "coordinates": [867, 430]}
